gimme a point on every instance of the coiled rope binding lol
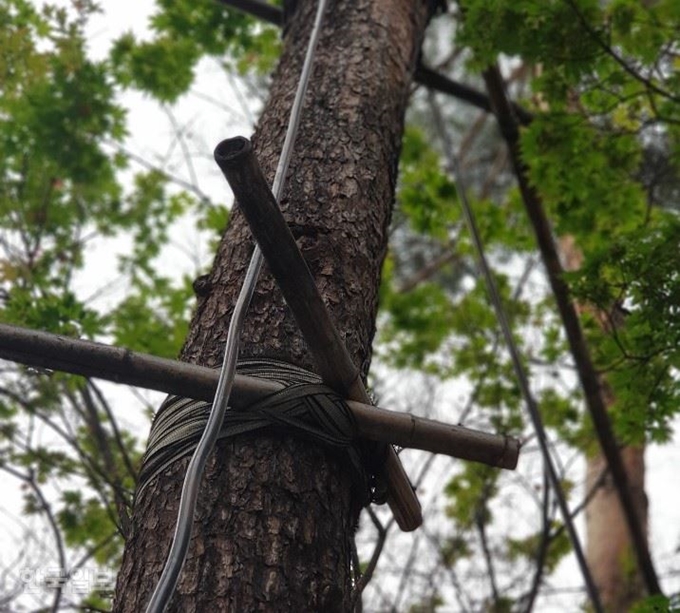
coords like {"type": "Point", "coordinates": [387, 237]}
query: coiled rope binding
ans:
{"type": "Point", "coordinates": [305, 408]}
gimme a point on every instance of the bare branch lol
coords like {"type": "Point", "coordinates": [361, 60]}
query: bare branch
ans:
{"type": "Point", "coordinates": [441, 83]}
{"type": "Point", "coordinates": [542, 549]}
{"type": "Point", "coordinates": [180, 135]}
{"type": "Point", "coordinates": [266, 12]}
{"type": "Point", "coordinates": [97, 431]}
{"type": "Point", "coordinates": [114, 426]}
{"type": "Point", "coordinates": [29, 480]}
{"type": "Point", "coordinates": [588, 376]}
{"type": "Point", "coordinates": [367, 575]}
{"type": "Point", "coordinates": [480, 523]}
{"type": "Point", "coordinates": [138, 159]}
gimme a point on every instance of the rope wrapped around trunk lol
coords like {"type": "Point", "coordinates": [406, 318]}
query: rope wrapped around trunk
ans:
{"type": "Point", "coordinates": [305, 408]}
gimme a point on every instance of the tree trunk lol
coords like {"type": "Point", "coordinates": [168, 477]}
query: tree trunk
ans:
{"type": "Point", "coordinates": [275, 516]}
{"type": "Point", "coordinates": [609, 549]}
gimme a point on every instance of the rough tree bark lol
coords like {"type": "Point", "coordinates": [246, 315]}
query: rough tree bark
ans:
{"type": "Point", "coordinates": [609, 548]}
{"type": "Point", "coordinates": [275, 515]}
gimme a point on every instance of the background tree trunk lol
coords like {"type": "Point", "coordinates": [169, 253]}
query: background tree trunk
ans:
{"type": "Point", "coordinates": [609, 549]}
{"type": "Point", "coordinates": [275, 515]}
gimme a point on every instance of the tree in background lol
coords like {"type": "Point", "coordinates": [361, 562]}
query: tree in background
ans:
{"type": "Point", "coordinates": [600, 150]}
{"type": "Point", "coordinates": [609, 82]}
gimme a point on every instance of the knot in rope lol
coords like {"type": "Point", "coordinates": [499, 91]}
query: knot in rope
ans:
{"type": "Point", "coordinates": [304, 408]}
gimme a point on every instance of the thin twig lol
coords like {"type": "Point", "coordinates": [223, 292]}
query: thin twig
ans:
{"type": "Point", "coordinates": [180, 135]}
{"type": "Point", "coordinates": [480, 523]}
{"type": "Point", "coordinates": [29, 479]}
{"type": "Point", "coordinates": [544, 544]}
{"type": "Point", "coordinates": [650, 85]}
{"type": "Point", "coordinates": [367, 575]}
{"type": "Point", "coordinates": [138, 159]}
{"type": "Point", "coordinates": [116, 431]}
{"type": "Point", "coordinates": [123, 504]}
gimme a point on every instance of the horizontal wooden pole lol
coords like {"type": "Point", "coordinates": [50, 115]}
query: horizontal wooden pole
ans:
{"type": "Point", "coordinates": [54, 352]}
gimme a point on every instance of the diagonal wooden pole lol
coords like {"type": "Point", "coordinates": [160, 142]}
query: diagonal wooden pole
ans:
{"type": "Point", "coordinates": [51, 351]}
{"type": "Point", "coordinates": [237, 161]}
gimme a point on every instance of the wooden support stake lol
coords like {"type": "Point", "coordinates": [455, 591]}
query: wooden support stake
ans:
{"type": "Point", "coordinates": [237, 161]}
{"type": "Point", "coordinates": [54, 352]}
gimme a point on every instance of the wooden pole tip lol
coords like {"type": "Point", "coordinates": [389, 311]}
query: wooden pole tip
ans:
{"type": "Point", "coordinates": [231, 149]}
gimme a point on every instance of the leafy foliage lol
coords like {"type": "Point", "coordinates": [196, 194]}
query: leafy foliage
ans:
{"type": "Point", "coordinates": [602, 152]}
{"type": "Point", "coordinates": [184, 32]}
{"type": "Point", "coordinates": [601, 110]}
{"type": "Point", "coordinates": [60, 189]}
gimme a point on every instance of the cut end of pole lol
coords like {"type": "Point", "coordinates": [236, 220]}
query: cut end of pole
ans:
{"type": "Point", "coordinates": [231, 149]}
{"type": "Point", "coordinates": [510, 456]}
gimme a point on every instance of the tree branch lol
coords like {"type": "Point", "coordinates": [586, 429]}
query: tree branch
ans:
{"type": "Point", "coordinates": [266, 12]}
{"type": "Point", "coordinates": [29, 480]}
{"type": "Point", "coordinates": [592, 32]}
{"type": "Point", "coordinates": [441, 83]}
{"type": "Point", "coordinates": [588, 376]}
{"type": "Point", "coordinates": [367, 575]}
{"type": "Point", "coordinates": [116, 431]}
{"type": "Point", "coordinates": [94, 425]}
{"type": "Point", "coordinates": [423, 75]}
{"type": "Point", "coordinates": [480, 523]}
{"type": "Point", "coordinates": [542, 549]}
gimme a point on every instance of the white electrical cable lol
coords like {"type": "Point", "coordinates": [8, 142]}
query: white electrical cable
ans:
{"type": "Point", "coordinates": [185, 519]}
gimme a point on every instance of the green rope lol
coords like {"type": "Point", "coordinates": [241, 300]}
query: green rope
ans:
{"type": "Point", "coordinates": [305, 408]}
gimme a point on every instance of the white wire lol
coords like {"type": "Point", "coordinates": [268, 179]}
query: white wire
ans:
{"type": "Point", "coordinates": [185, 519]}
